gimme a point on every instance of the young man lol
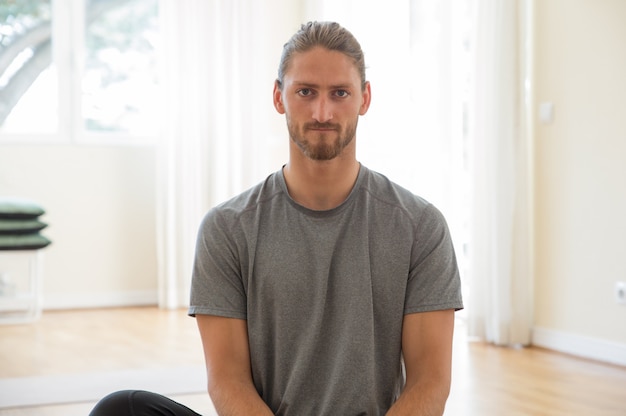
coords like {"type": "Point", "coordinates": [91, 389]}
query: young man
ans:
{"type": "Point", "coordinates": [315, 288]}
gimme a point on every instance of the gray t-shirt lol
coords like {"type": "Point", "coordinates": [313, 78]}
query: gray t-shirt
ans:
{"type": "Point", "coordinates": [324, 292]}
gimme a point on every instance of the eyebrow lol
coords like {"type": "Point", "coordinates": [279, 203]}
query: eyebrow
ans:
{"type": "Point", "coordinates": [332, 87]}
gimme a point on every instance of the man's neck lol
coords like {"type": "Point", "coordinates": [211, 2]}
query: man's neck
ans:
{"type": "Point", "coordinates": [321, 185]}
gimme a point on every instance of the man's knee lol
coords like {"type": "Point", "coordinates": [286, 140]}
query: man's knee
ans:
{"type": "Point", "coordinates": [118, 403]}
{"type": "Point", "coordinates": [139, 403]}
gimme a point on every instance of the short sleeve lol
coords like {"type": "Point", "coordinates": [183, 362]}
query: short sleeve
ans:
{"type": "Point", "coordinates": [434, 282]}
{"type": "Point", "coordinates": [217, 287]}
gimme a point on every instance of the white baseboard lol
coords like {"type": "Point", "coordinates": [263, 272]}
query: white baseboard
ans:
{"type": "Point", "coordinates": [581, 346]}
{"type": "Point", "coordinates": [99, 300]}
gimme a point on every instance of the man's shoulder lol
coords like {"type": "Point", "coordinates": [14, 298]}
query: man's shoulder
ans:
{"type": "Point", "coordinates": [251, 198]}
{"type": "Point", "coordinates": [387, 191]}
{"type": "Point", "coordinates": [395, 199]}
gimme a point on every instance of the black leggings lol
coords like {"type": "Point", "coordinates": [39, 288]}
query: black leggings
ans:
{"type": "Point", "coordinates": [139, 403]}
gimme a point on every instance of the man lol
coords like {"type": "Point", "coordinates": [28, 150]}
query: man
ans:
{"type": "Point", "coordinates": [316, 290]}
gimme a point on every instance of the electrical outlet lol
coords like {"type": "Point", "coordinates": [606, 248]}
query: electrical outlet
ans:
{"type": "Point", "coordinates": [620, 293]}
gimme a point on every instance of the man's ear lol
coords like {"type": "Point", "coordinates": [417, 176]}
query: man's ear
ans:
{"type": "Point", "coordinates": [278, 98]}
{"type": "Point", "coordinates": [367, 99]}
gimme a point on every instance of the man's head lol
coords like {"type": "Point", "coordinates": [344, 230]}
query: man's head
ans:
{"type": "Point", "coordinates": [322, 91]}
{"type": "Point", "coordinates": [328, 35]}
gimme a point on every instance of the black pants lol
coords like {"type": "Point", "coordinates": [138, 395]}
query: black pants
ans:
{"type": "Point", "coordinates": [139, 403]}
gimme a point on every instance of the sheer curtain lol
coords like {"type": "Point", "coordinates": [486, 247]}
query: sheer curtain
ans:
{"type": "Point", "coordinates": [182, 171]}
{"type": "Point", "coordinates": [218, 70]}
{"type": "Point", "coordinates": [501, 223]}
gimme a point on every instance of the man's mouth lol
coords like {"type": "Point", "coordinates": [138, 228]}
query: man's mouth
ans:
{"type": "Point", "coordinates": [321, 127]}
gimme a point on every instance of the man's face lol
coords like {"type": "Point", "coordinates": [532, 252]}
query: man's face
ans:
{"type": "Point", "coordinates": [322, 98]}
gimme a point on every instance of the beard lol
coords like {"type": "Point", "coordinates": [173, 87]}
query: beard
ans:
{"type": "Point", "coordinates": [323, 146]}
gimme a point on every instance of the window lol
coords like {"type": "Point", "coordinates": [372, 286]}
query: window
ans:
{"type": "Point", "coordinates": [83, 70]}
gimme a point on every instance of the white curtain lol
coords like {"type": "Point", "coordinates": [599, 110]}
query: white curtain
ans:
{"type": "Point", "coordinates": [500, 247]}
{"type": "Point", "coordinates": [217, 102]}
{"type": "Point", "coordinates": [181, 164]}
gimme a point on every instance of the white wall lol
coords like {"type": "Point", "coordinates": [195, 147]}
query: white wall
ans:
{"type": "Point", "coordinates": [580, 66]}
{"type": "Point", "coordinates": [100, 203]}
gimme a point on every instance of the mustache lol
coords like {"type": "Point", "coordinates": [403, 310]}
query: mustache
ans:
{"type": "Point", "coordinates": [315, 126]}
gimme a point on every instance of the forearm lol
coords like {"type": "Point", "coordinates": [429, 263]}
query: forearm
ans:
{"type": "Point", "coordinates": [427, 353]}
{"type": "Point", "coordinates": [235, 399]}
{"type": "Point", "coordinates": [423, 399]}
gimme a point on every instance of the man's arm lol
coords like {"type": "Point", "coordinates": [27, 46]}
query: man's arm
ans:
{"type": "Point", "coordinates": [227, 357]}
{"type": "Point", "coordinates": [427, 351]}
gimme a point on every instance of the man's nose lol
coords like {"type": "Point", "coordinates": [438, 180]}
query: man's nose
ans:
{"type": "Point", "coordinates": [322, 111]}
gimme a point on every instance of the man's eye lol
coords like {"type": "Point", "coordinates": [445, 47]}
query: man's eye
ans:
{"type": "Point", "coordinates": [342, 93]}
{"type": "Point", "coordinates": [305, 92]}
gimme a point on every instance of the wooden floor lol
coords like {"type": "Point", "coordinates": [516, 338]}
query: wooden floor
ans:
{"type": "Point", "coordinates": [487, 380]}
